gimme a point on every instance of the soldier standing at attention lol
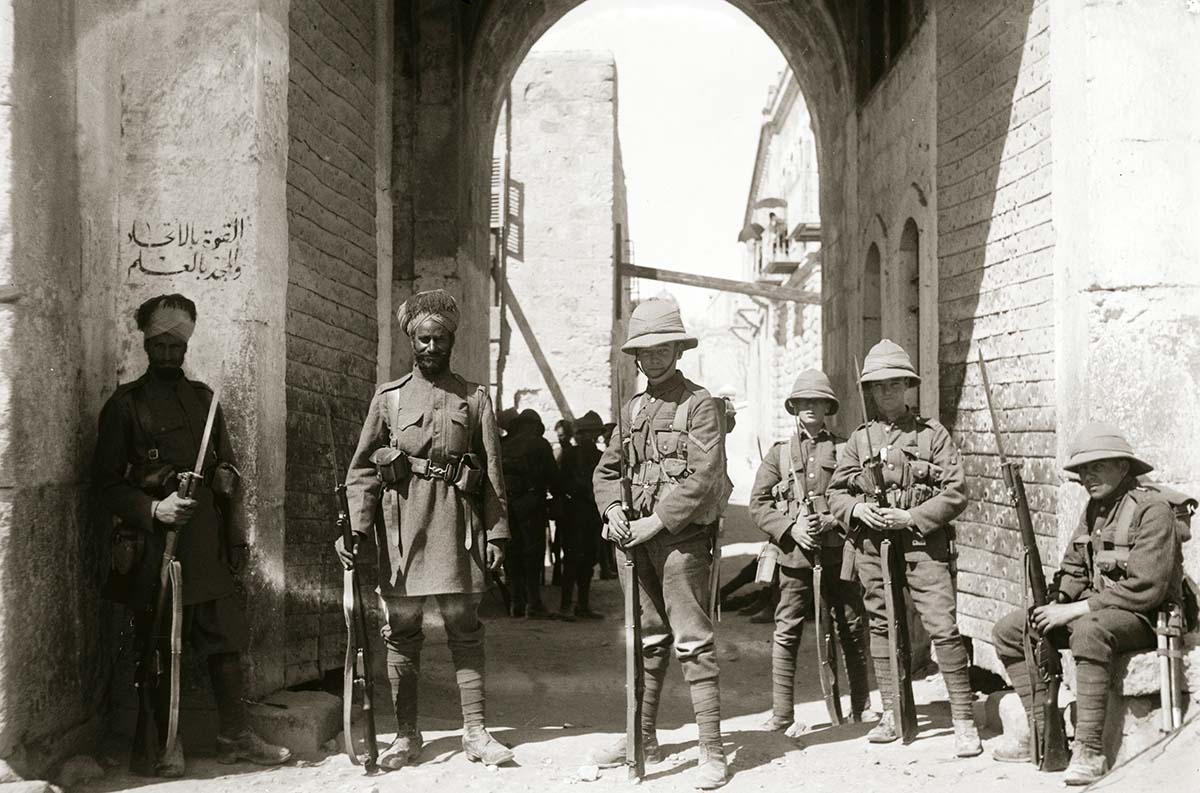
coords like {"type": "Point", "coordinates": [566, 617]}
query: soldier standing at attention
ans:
{"type": "Point", "coordinates": [680, 488]}
{"type": "Point", "coordinates": [1123, 563]}
{"type": "Point", "coordinates": [150, 430]}
{"type": "Point", "coordinates": [583, 526]}
{"type": "Point", "coordinates": [529, 473]}
{"type": "Point", "coordinates": [793, 472]}
{"type": "Point", "coordinates": [428, 458]}
{"type": "Point", "coordinates": [925, 484]}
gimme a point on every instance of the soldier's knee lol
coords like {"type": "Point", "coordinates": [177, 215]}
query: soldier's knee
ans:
{"type": "Point", "coordinates": [1008, 634]}
{"type": "Point", "coordinates": [1091, 639]}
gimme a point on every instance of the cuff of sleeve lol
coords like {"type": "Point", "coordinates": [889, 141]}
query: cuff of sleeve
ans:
{"type": "Point", "coordinates": [607, 507]}
{"type": "Point", "coordinates": [667, 524]}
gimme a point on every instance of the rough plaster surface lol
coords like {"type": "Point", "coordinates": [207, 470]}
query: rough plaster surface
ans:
{"type": "Point", "coordinates": [559, 303]}
{"type": "Point", "coordinates": [182, 147]}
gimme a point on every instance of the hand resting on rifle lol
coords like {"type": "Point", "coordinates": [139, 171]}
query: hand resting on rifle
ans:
{"type": "Point", "coordinates": [496, 550]}
{"type": "Point", "coordinates": [616, 525]}
{"type": "Point", "coordinates": [174, 510]}
{"type": "Point", "coordinates": [347, 558]}
{"type": "Point", "coordinates": [805, 530]}
{"type": "Point", "coordinates": [1054, 615]}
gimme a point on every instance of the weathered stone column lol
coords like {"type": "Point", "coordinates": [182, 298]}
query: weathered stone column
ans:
{"type": "Point", "coordinates": [1126, 137]}
{"type": "Point", "coordinates": [183, 150]}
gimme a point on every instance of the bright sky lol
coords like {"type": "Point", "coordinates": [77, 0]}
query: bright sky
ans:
{"type": "Point", "coordinates": [692, 77]}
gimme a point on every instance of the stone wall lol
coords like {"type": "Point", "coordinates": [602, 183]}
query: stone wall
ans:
{"type": "Point", "coordinates": [332, 330]}
{"type": "Point", "coordinates": [558, 300]}
{"type": "Point", "coordinates": [995, 259]}
{"type": "Point", "coordinates": [53, 659]}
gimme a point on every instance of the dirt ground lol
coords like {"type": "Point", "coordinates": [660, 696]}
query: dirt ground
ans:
{"type": "Point", "coordinates": [556, 691]}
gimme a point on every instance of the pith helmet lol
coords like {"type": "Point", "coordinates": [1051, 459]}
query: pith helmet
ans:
{"type": "Point", "coordinates": [589, 422]}
{"type": "Point", "coordinates": [812, 384]}
{"type": "Point", "coordinates": [1099, 441]}
{"type": "Point", "coordinates": [887, 360]}
{"type": "Point", "coordinates": [655, 322]}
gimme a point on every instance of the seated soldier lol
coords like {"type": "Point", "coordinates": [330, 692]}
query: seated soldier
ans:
{"type": "Point", "coordinates": [1124, 561]}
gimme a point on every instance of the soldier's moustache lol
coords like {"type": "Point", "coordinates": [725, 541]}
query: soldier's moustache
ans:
{"type": "Point", "coordinates": [433, 362]}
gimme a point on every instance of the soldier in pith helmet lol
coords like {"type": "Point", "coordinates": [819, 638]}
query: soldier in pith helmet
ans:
{"type": "Point", "coordinates": [428, 459]}
{"type": "Point", "coordinates": [788, 502]}
{"type": "Point", "coordinates": [1123, 563]}
{"type": "Point", "coordinates": [926, 489]}
{"type": "Point", "coordinates": [680, 488]}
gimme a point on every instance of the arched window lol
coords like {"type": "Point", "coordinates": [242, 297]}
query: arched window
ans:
{"type": "Point", "coordinates": [872, 300]}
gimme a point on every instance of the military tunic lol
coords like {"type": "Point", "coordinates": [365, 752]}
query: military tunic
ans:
{"type": "Point", "coordinates": [674, 565]}
{"type": "Point", "coordinates": [153, 426]}
{"type": "Point", "coordinates": [434, 536]}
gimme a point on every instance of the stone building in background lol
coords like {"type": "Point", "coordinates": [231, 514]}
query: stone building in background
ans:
{"type": "Point", "coordinates": [1014, 177]}
{"type": "Point", "coordinates": [559, 217]}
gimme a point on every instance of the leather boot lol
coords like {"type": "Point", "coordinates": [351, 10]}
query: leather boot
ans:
{"type": "Point", "coordinates": [1087, 766]}
{"type": "Point", "coordinates": [776, 723]}
{"type": "Point", "coordinates": [403, 751]}
{"type": "Point", "coordinates": [884, 730]}
{"type": "Point", "coordinates": [246, 745]}
{"type": "Point", "coordinates": [613, 754]}
{"type": "Point", "coordinates": [712, 771]}
{"type": "Point", "coordinates": [480, 747]}
{"type": "Point", "coordinates": [966, 738]}
{"type": "Point", "coordinates": [584, 609]}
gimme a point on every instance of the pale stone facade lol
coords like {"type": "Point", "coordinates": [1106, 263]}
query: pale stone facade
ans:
{"type": "Point", "coordinates": [562, 312]}
{"type": "Point", "coordinates": [1044, 153]}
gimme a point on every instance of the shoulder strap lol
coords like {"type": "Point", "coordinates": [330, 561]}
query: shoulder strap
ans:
{"type": "Point", "coordinates": [682, 419]}
{"type": "Point", "coordinates": [142, 418]}
{"type": "Point", "coordinates": [797, 481]}
{"type": "Point", "coordinates": [475, 412]}
{"type": "Point", "coordinates": [393, 408]}
{"type": "Point", "coordinates": [925, 443]}
{"type": "Point", "coordinates": [1123, 522]}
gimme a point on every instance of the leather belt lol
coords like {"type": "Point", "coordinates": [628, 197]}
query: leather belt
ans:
{"type": "Point", "coordinates": [430, 469]}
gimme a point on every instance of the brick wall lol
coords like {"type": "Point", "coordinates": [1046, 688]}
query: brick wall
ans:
{"type": "Point", "coordinates": [331, 311]}
{"type": "Point", "coordinates": [995, 246]}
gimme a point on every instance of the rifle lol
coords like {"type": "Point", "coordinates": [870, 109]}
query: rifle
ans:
{"type": "Point", "coordinates": [149, 667]}
{"type": "Point", "coordinates": [635, 749]}
{"type": "Point", "coordinates": [827, 654]}
{"type": "Point", "coordinates": [1048, 750]}
{"type": "Point", "coordinates": [356, 670]}
{"type": "Point", "coordinates": [895, 581]}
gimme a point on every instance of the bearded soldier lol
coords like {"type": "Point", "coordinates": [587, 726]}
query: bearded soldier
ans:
{"type": "Point", "coordinates": [1123, 563]}
{"type": "Point", "coordinates": [428, 459]}
{"type": "Point", "coordinates": [788, 503]}
{"type": "Point", "coordinates": [150, 431]}
{"type": "Point", "coordinates": [677, 454]}
{"type": "Point", "coordinates": [926, 490]}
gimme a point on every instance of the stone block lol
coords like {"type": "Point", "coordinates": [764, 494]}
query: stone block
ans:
{"type": "Point", "coordinates": [30, 786]}
{"type": "Point", "coordinates": [306, 720]}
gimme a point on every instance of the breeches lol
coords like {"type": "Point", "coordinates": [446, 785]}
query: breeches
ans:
{"type": "Point", "coordinates": [1098, 636]}
{"type": "Point", "coordinates": [673, 581]}
{"type": "Point", "coordinates": [402, 630]}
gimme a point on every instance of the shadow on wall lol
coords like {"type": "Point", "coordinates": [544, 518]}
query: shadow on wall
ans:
{"type": "Point", "coordinates": [539, 355]}
{"type": "Point", "coordinates": [994, 218]}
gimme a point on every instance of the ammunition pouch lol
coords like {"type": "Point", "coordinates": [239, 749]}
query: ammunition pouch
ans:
{"type": "Point", "coordinates": [128, 547]}
{"type": "Point", "coordinates": [226, 481]}
{"type": "Point", "coordinates": [392, 465]}
{"type": "Point", "coordinates": [470, 475]}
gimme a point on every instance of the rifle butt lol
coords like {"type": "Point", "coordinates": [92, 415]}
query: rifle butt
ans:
{"type": "Point", "coordinates": [1053, 754]}
{"type": "Point", "coordinates": [143, 757]}
{"type": "Point", "coordinates": [903, 705]}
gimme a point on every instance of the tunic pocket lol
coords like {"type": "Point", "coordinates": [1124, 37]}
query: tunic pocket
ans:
{"type": "Point", "coordinates": [457, 441]}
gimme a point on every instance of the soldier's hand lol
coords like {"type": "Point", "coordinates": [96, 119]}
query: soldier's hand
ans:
{"type": "Point", "coordinates": [616, 525]}
{"type": "Point", "coordinates": [896, 519]}
{"type": "Point", "coordinates": [803, 534]}
{"type": "Point", "coordinates": [347, 558]}
{"type": "Point", "coordinates": [496, 552]}
{"type": "Point", "coordinates": [174, 510]}
{"type": "Point", "coordinates": [643, 529]}
{"type": "Point", "coordinates": [869, 514]}
{"type": "Point", "coordinates": [1054, 615]}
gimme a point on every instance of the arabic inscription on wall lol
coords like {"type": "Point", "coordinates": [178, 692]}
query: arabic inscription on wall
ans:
{"type": "Point", "coordinates": [182, 247]}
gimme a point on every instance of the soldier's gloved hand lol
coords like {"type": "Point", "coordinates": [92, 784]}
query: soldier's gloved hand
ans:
{"type": "Point", "coordinates": [642, 529]}
{"type": "Point", "coordinates": [496, 551]}
{"type": "Point", "coordinates": [869, 514]}
{"type": "Point", "coordinates": [803, 532]}
{"type": "Point", "coordinates": [348, 559]}
{"type": "Point", "coordinates": [616, 525]}
{"type": "Point", "coordinates": [174, 510]}
{"type": "Point", "coordinates": [895, 519]}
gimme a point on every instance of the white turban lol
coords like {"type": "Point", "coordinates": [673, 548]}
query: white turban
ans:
{"type": "Point", "coordinates": [172, 320]}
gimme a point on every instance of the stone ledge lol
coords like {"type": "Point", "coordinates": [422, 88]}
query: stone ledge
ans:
{"type": "Point", "coordinates": [300, 720]}
{"type": "Point", "coordinates": [1137, 674]}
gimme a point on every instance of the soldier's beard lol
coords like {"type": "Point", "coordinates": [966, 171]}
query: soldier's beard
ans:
{"type": "Point", "coordinates": [433, 363]}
